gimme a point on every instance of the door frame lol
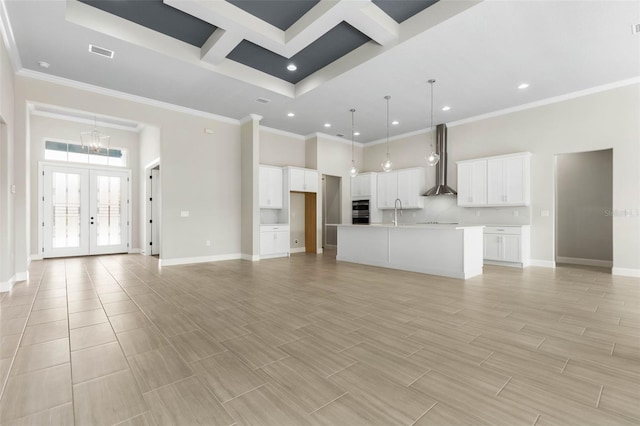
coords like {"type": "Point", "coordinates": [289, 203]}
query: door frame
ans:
{"type": "Point", "coordinates": [88, 167]}
{"type": "Point", "coordinates": [147, 209]}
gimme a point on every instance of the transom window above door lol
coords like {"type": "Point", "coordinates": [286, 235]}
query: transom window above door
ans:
{"type": "Point", "coordinates": [76, 153]}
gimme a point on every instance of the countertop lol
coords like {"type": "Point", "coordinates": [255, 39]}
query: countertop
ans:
{"type": "Point", "coordinates": [416, 225]}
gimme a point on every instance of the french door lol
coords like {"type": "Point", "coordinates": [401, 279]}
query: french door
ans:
{"type": "Point", "coordinates": [85, 211]}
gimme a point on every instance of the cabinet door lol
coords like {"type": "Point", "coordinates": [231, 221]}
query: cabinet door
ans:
{"type": "Point", "coordinates": [267, 245]}
{"type": "Point", "coordinates": [275, 188]}
{"type": "Point", "coordinates": [281, 242]}
{"type": "Point", "coordinates": [310, 181]}
{"type": "Point", "coordinates": [472, 183]}
{"type": "Point", "coordinates": [409, 188]}
{"type": "Point", "coordinates": [511, 248]}
{"type": "Point", "coordinates": [514, 180]}
{"type": "Point", "coordinates": [296, 180]}
{"type": "Point", "coordinates": [495, 181]}
{"type": "Point", "coordinates": [263, 187]}
{"type": "Point", "coordinates": [356, 186]}
{"type": "Point", "coordinates": [387, 190]}
{"type": "Point", "coordinates": [492, 249]}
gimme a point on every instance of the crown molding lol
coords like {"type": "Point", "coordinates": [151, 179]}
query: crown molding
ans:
{"type": "Point", "coordinates": [282, 133]}
{"type": "Point", "coordinates": [250, 117]}
{"type": "Point", "coordinates": [124, 96]}
{"type": "Point", "coordinates": [397, 137]}
{"type": "Point", "coordinates": [333, 138]}
{"type": "Point", "coordinates": [9, 39]}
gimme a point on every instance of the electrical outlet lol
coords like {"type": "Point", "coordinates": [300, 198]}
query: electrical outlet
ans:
{"type": "Point", "coordinates": [207, 243]}
{"type": "Point", "coordinates": [544, 213]}
{"type": "Point", "coordinates": [515, 213]}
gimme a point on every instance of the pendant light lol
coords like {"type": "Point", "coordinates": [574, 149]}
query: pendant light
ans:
{"type": "Point", "coordinates": [353, 170]}
{"type": "Point", "coordinates": [432, 158]}
{"type": "Point", "coordinates": [387, 165]}
{"type": "Point", "coordinates": [94, 140]}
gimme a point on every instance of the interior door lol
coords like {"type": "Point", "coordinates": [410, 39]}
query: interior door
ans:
{"type": "Point", "coordinates": [85, 211]}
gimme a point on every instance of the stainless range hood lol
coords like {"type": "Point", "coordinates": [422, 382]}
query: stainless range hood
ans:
{"type": "Point", "coordinates": [441, 187]}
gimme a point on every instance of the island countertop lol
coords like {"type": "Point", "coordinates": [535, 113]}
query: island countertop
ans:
{"type": "Point", "coordinates": [450, 250]}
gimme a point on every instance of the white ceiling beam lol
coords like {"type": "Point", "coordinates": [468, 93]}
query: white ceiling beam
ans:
{"type": "Point", "coordinates": [370, 20]}
{"type": "Point", "coordinates": [219, 45]}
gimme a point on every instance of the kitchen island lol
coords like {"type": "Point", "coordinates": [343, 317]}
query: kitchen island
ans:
{"type": "Point", "coordinates": [447, 250]}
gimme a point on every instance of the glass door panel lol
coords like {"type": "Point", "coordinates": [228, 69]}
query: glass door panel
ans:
{"type": "Point", "coordinates": [109, 212]}
{"type": "Point", "coordinates": [65, 205]}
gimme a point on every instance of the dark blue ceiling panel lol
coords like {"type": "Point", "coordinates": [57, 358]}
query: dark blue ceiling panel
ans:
{"type": "Point", "coordinates": [279, 13]}
{"type": "Point", "coordinates": [156, 15]}
{"type": "Point", "coordinates": [401, 10]}
{"type": "Point", "coordinates": [339, 41]}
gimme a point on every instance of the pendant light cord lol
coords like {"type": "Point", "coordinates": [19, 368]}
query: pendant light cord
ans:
{"type": "Point", "coordinates": [387, 98]}
{"type": "Point", "coordinates": [353, 110]}
{"type": "Point", "coordinates": [431, 119]}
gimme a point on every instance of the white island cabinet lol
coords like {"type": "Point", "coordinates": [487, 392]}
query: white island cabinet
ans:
{"type": "Point", "coordinates": [447, 250]}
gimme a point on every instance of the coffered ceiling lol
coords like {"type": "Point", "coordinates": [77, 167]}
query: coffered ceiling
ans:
{"type": "Point", "coordinates": [221, 56]}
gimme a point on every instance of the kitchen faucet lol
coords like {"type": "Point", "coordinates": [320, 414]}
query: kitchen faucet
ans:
{"type": "Point", "coordinates": [395, 211]}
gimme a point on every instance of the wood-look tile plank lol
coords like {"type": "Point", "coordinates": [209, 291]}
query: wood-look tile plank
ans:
{"type": "Point", "coordinates": [317, 355]}
{"type": "Point", "coordinates": [41, 355]}
{"type": "Point", "coordinates": [108, 400]}
{"type": "Point", "coordinates": [140, 340]}
{"type": "Point", "coordinates": [620, 403]}
{"type": "Point", "coordinates": [158, 367]}
{"type": "Point", "coordinates": [61, 415]}
{"type": "Point", "coordinates": [29, 393]}
{"type": "Point", "coordinates": [47, 315]}
{"type": "Point", "coordinates": [442, 414]}
{"type": "Point", "coordinates": [54, 302]}
{"type": "Point", "coordinates": [195, 345]}
{"type": "Point", "coordinates": [97, 361]}
{"type": "Point", "coordinates": [129, 321]}
{"type": "Point", "coordinates": [186, 402]}
{"type": "Point", "coordinates": [86, 318]}
{"type": "Point", "coordinates": [92, 335]}
{"type": "Point", "coordinates": [262, 407]}
{"type": "Point", "coordinates": [226, 376]}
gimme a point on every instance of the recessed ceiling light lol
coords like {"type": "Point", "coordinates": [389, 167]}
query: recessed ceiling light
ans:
{"type": "Point", "coordinates": [43, 64]}
{"type": "Point", "coordinates": [446, 108]}
{"type": "Point", "coordinates": [395, 122]}
{"type": "Point", "coordinates": [356, 133]}
{"type": "Point", "coordinates": [292, 67]}
{"type": "Point", "coordinates": [291, 114]}
{"type": "Point", "coordinates": [523, 86]}
{"type": "Point", "coordinates": [327, 124]}
{"type": "Point", "coordinates": [102, 51]}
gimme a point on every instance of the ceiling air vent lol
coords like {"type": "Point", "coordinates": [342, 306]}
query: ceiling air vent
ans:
{"type": "Point", "coordinates": [635, 29]}
{"type": "Point", "coordinates": [101, 51]}
{"type": "Point", "coordinates": [340, 135]}
{"type": "Point", "coordinates": [263, 100]}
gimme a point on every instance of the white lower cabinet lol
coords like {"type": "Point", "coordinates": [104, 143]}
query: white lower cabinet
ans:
{"type": "Point", "coordinates": [274, 241]}
{"type": "Point", "coordinates": [507, 245]}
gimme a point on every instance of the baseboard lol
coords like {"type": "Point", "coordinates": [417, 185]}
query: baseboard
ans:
{"type": "Point", "coordinates": [507, 264]}
{"type": "Point", "coordinates": [136, 251]}
{"type": "Point", "coordinates": [22, 276]}
{"type": "Point", "coordinates": [250, 257]}
{"type": "Point", "coordinates": [297, 250]}
{"type": "Point", "coordinates": [626, 272]}
{"type": "Point", "coordinates": [36, 257]}
{"type": "Point", "coordinates": [199, 259]}
{"type": "Point", "coordinates": [543, 263]}
{"type": "Point", "coordinates": [7, 285]}
{"type": "Point", "coordinates": [586, 262]}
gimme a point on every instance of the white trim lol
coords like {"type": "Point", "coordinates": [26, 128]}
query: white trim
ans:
{"type": "Point", "coordinates": [36, 257]}
{"type": "Point", "coordinates": [122, 95]}
{"type": "Point", "coordinates": [7, 285]}
{"type": "Point", "coordinates": [543, 263]}
{"type": "Point", "coordinates": [520, 265]}
{"type": "Point", "coordinates": [547, 101]}
{"type": "Point", "coordinates": [250, 257]}
{"type": "Point", "coordinates": [282, 132]}
{"type": "Point", "coordinates": [402, 136]}
{"type": "Point", "coordinates": [22, 276]}
{"type": "Point", "coordinates": [587, 262]}
{"type": "Point", "coordinates": [199, 259]}
{"type": "Point", "coordinates": [63, 114]}
{"type": "Point", "coordinates": [135, 251]}
{"type": "Point", "coordinates": [9, 39]}
{"type": "Point", "coordinates": [626, 272]}
{"type": "Point", "coordinates": [297, 250]}
{"type": "Point", "coordinates": [250, 117]}
{"type": "Point", "coordinates": [151, 165]}
{"type": "Point", "coordinates": [343, 140]}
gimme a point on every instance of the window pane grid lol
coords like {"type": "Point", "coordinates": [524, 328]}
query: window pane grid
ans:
{"type": "Point", "coordinates": [73, 153]}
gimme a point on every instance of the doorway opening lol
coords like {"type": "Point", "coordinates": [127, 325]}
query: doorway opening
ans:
{"type": "Point", "coordinates": [584, 206]}
{"type": "Point", "coordinates": [331, 210]}
{"type": "Point", "coordinates": [303, 216]}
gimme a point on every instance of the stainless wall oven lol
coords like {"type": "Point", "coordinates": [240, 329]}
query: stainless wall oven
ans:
{"type": "Point", "coordinates": [360, 212]}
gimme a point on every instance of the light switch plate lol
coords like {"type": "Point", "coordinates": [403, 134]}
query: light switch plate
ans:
{"type": "Point", "coordinates": [544, 213]}
{"type": "Point", "coordinates": [184, 213]}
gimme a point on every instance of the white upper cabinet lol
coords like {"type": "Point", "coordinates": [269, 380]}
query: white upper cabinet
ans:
{"type": "Point", "coordinates": [472, 183]}
{"type": "Point", "coordinates": [406, 185]}
{"type": "Point", "coordinates": [363, 185]}
{"type": "Point", "coordinates": [303, 180]}
{"type": "Point", "coordinates": [495, 181]}
{"type": "Point", "coordinates": [270, 187]}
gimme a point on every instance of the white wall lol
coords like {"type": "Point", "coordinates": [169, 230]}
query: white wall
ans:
{"type": "Point", "coordinates": [9, 244]}
{"type": "Point", "coordinates": [48, 128]}
{"type": "Point", "coordinates": [149, 152]}
{"type": "Point", "coordinates": [200, 171]}
{"type": "Point", "coordinates": [280, 149]}
{"type": "Point", "coordinates": [607, 119]}
{"type": "Point", "coordinates": [584, 205]}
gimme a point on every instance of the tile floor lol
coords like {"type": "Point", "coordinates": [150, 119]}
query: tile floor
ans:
{"type": "Point", "coordinates": [305, 340]}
